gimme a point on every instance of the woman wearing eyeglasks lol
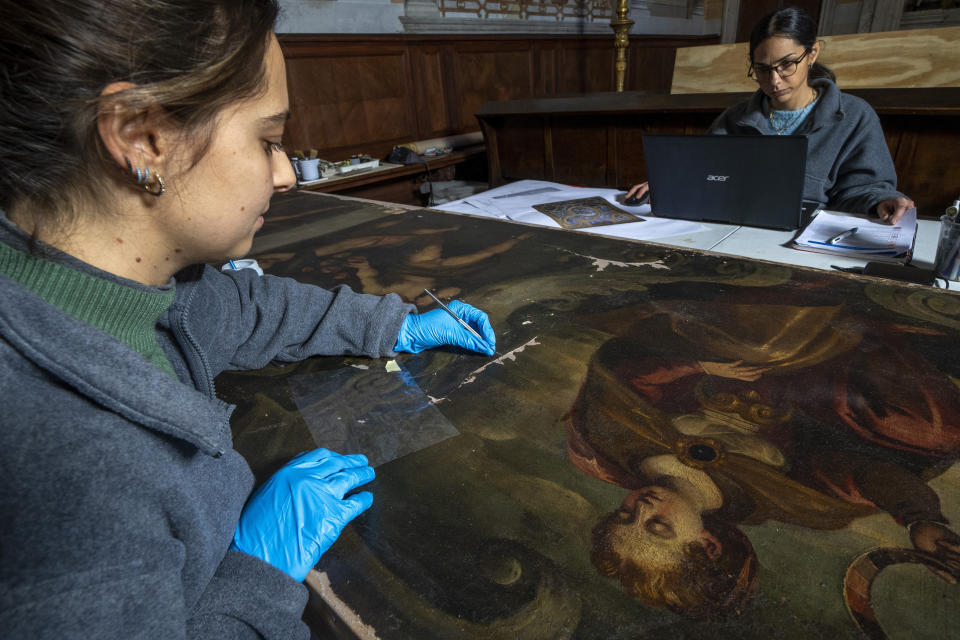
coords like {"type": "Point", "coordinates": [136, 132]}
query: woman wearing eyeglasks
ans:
{"type": "Point", "coordinates": [848, 163]}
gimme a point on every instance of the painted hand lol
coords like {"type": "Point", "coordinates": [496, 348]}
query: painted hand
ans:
{"type": "Point", "coordinates": [294, 517]}
{"type": "Point", "coordinates": [892, 210]}
{"type": "Point", "coordinates": [436, 328]}
{"type": "Point", "coordinates": [939, 540]}
{"type": "Point", "coordinates": [734, 370]}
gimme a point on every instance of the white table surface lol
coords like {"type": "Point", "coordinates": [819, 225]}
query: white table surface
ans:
{"type": "Point", "coordinates": [775, 246]}
{"type": "Point", "coordinates": [714, 234]}
{"type": "Point", "coordinates": [728, 239]}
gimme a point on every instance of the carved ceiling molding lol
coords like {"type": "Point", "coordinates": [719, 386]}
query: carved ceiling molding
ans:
{"type": "Point", "coordinates": [531, 16]}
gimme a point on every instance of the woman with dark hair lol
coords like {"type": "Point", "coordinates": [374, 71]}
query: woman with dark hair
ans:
{"type": "Point", "coordinates": [848, 163]}
{"type": "Point", "coordinates": [140, 139]}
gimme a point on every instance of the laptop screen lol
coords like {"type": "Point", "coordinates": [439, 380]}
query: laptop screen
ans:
{"type": "Point", "coordinates": [746, 180]}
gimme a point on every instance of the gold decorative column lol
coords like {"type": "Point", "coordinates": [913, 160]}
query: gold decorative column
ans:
{"type": "Point", "coordinates": [621, 40]}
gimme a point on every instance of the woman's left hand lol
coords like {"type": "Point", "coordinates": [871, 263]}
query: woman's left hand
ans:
{"type": "Point", "coordinates": [436, 328]}
{"type": "Point", "coordinates": [890, 211]}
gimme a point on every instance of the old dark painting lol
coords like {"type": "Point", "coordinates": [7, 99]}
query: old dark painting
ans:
{"type": "Point", "coordinates": [667, 443]}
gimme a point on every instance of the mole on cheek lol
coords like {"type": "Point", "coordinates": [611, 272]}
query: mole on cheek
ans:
{"type": "Point", "coordinates": [119, 241]}
{"type": "Point", "coordinates": [138, 259]}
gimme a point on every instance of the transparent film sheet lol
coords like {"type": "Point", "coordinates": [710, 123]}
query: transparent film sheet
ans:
{"type": "Point", "coordinates": [381, 414]}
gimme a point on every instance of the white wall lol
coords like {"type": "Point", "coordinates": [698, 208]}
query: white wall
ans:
{"type": "Point", "coordinates": [675, 17]}
{"type": "Point", "coordinates": [340, 16]}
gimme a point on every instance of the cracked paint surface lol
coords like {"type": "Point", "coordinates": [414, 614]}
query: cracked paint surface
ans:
{"type": "Point", "coordinates": [472, 376]}
{"type": "Point", "coordinates": [603, 263]}
{"type": "Point", "coordinates": [510, 355]}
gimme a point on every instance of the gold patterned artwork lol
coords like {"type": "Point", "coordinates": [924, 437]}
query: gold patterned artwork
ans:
{"type": "Point", "coordinates": [560, 10]}
{"type": "Point", "coordinates": [585, 212]}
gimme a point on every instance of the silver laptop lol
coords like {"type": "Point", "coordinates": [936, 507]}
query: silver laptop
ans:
{"type": "Point", "coordinates": [746, 180]}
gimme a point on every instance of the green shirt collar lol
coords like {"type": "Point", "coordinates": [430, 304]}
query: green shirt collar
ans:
{"type": "Point", "coordinates": [127, 313]}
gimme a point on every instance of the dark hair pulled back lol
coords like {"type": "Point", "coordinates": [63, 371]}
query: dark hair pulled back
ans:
{"type": "Point", "coordinates": [190, 58]}
{"type": "Point", "coordinates": [794, 23]}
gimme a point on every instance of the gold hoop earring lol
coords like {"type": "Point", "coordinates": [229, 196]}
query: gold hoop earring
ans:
{"type": "Point", "coordinates": [161, 188]}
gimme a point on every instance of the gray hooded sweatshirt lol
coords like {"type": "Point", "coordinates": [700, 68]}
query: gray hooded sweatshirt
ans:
{"type": "Point", "coordinates": [120, 489]}
{"type": "Point", "coordinates": [848, 163]}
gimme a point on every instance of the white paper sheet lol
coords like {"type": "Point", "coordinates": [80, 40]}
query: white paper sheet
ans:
{"type": "Point", "coordinates": [515, 201]}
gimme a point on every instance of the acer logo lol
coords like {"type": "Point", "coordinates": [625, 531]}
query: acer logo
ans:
{"type": "Point", "coordinates": [717, 178]}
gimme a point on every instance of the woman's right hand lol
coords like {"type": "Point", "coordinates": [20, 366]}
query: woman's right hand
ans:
{"type": "Point", "coordinates": [437, 328]}
{"type": "Point", "coordinates": [637, 190]}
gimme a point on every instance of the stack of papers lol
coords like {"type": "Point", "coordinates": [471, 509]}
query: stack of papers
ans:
{"type": "Point", "coordinates": [873, 240]}
{"type": "Point", "coordinates": [523, 201]}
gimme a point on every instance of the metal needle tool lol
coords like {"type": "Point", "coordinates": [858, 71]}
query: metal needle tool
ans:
{"type": "Point", "coordinates": [455, 316]}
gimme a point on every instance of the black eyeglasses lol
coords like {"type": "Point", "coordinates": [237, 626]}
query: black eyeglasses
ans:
{"type": "Point", "coordinates": [784, 69]}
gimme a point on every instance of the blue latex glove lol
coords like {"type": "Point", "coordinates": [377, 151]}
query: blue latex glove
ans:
{"type": "Point", "coordinates": [294, 517]}
{"type": "Point", "coordinates": [436, 328]}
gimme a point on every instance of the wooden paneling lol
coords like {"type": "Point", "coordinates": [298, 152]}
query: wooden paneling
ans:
{"type": "Point", "coordinates": [548, 70]}
{"type": "Point", "coordinates": [585, 68]}
{"type": "Point", "coordinates": [524, 151]}
{"type": "Point", "coordinates": [925, 157]}
{"type": "Point", "coordinates": [485, 69]}
{"type": "Point", "coordinates": [433, 106]}
{"type": "Point", "coordinates": [365, 93]}
{"type": "Point", "coordinates": [894, 59]}
{"type": "Point", "coordinates": [579, 151]}
{"type": "Point", "coordinates": [650, 69]}
{"type": "Point", "coordinates": [329, 113]}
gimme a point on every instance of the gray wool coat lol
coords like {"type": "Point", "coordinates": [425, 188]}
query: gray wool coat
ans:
{"type": "Point", "coordinates": [849, 167]}
{"type": "Point", "coordinates": [119, 488]}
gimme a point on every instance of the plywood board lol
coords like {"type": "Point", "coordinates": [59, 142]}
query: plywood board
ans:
{"type": "Point", "coordinates": [892, 59]}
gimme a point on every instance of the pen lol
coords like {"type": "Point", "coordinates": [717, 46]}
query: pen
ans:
{"type": "Point", "coordinates": [456, 317]}
{"type": "Point", "coordinates": [843, 235]}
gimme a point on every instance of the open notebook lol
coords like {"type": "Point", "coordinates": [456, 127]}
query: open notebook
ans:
{"type": "Point", "coordinates": [873, 240]}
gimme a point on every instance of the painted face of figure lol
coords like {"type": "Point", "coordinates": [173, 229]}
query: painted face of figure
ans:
{"type": "Point", "coordinates": [654, 526]}
{"type": "Point", "coordinates": [781, 66]}
{"type": "Point", "coordinates": [223, 198]}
